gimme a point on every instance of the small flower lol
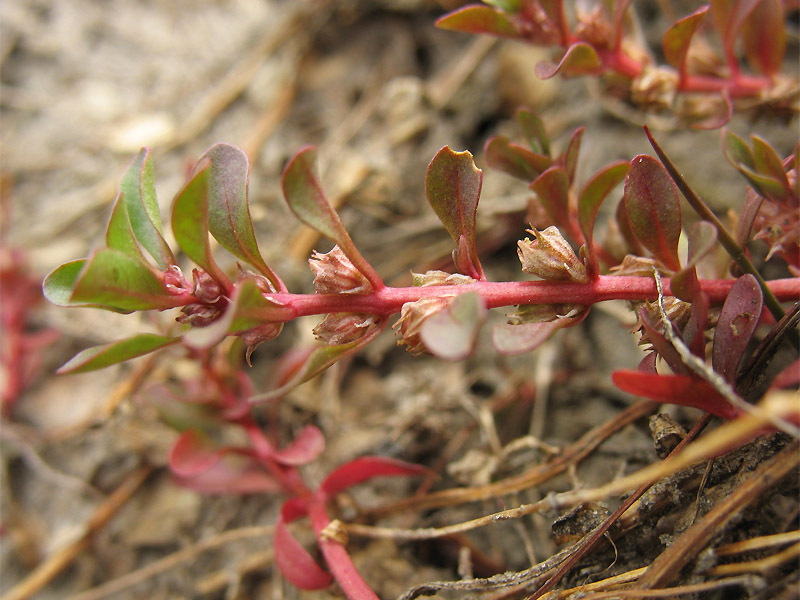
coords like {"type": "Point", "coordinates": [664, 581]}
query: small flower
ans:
{"type": "Point", "coordinates": [550, 257]}
{"type": "Point", "coordinates": [206, 289]}
{"type": "Point", "coordinates": [199, 315]}
{"type": "Point", "coordinates": [413, 315]}
{"type": "Point", "coordinates": [335, 274]}
{"type": "Point", "coordinates": [343, 328]}
{"type": "Point", "coordinates": [174, 281]}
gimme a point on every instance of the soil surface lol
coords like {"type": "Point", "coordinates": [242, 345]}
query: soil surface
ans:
{"type": "Point", "coordinates": [373, 84]}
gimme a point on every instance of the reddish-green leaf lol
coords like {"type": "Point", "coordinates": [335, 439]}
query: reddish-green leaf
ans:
{"type": "Point", "coordinates": [451, 333]}
{"type": "Point", "coordinates": [514, 159]}
{"type": "Point", "coordinates": [534, 132]}
{"type": "Point", "coordinates": [232, 474]}
{"type": "Point", "coordinates": [702, 239]}
{"type": "Point", "coordinates": [766, 185]}
{"type": "Point", "coordinates": [228, 209]}
{"type": "Point", "coordinates": [112, 279]}
{"type": "Point", "coordinates": [100, 357]}
{"type": "Point", "coordinates": [307, 446]}
{"type": "Point", "coordinates": [653, 208]}
{"type": "Point", "coordinates": [737, 322]}
{"type": "Point", "coordinates": [453, 188]}
{"type": "Point", "coordinates": [675, 389]}
{"type": "Point", "coordinates": [764, 37]}
{"type": "Point", "coordinates": [590, 199]}
{"type": "Point", "coordinates": [362, 469]}
{"type": "Point", "coordinates": [138, 196]}
{"type": "Point", "coordinates": [306, 199]}
{"type": "Point", "coordinates": [478, 18]}
{"type": "Point", "coordinates": [728, 16]}
{"type": "Point", "coordinates": [57, 287]}
{"type": "Point", "coordinates": [292, 559]}
{"type": "Point", "coordinates": [737, 151]}
{"type": "Point", "coordinates": [678, 37]}
{"type": "Point", "coordinates": [190, 224]}
{"type": "Point", "coordinates": [119, 233]}
{"type": "Point", "coordinates": [192, 453]}
{"type": "Point", "coordinates": [579, 59]}
{"type": "Point", "coordinates": [552, 191]}
{"type": "Point", "coordinates": [573, 152]}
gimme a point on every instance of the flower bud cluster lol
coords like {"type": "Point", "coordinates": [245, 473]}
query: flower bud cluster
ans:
{"type": "Point", "coordinates": [551, 257]}
{"type": "Point", "coordinates": [343, 328]}
{"type": "Point", "coordinates": [413, 315]}
{"type": "Point", "coordinates": [211, 301]}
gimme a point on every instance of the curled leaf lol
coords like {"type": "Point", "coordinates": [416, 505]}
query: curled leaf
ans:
{"type": "Point", "coordinates": [678, 37]}
{"type": "Point", "coordinates": [579, 59]}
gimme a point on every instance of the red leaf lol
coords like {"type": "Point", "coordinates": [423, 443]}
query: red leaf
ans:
{"type": "Point", "coordinates": [579, 59]}
{"type": "Point", "coordinates": [552, 191]}
{"type": "Point", "coordinates": [192, 454]}
{"type": "Point", "coordinates": [307, 446]}
{"type": "Point", "coordinates": [232, 474]}
{"type": "Point", "coordinates": [764, 37]}
{"type": "Point", "coordinates": [675, 389]}
{"type": "Point", "coordinates": [737, 323]}
{"type": "Point", "coordinates": [514, 159]}
{"type": "Point", "coordinates": [364, 468]}
{"type": "Point", "coordinates": [678, 37]}
{"type": "Point", "coordinates": [654, 211]}
{"type": "Point", "coordinates": [292, 559]}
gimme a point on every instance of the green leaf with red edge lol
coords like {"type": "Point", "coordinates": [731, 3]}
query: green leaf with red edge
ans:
{"type": "Point", "coordinates": [119, 233]}
{"type": "Point", "coordinates": [453, 188]}
{"type": "Point", "coordinates": [228, 208]}
{"type": "Point", "coordinates": [579, 59]}
{"type": "Point", "coordinates": [533, 130]}
{"type": "Point", "coordinates": [510, 6]}
{"type": "Point", "coordinates": [728, 16]}
{"type": "Point", "coordinates": [318, 361]}
{"type": "Point", "coordinates": [115, 281]}
{"type": "Point", "coordinates": [451, 333]}
{"type": "Point", "coordinates": [737, 322]}
{"type": "Point", "coordinates": [364, 468]}
{"type": "Point", "coordinates": [514, 159]}
{"type": "Point", "coordinates": [678, 37]}
{"type": "Point", "coordinates": [138, 196]}
{"type": "Point", "coordinates": [591, 197]}
{"type": "Point", "coordinates": [768, 163]}
{"type": "Point", "coordinates": [106, 355]}
{"type": "Point", "coordinates": [292, 559]}
{"type": "Point", "coordinates": [192, 454]}
{"type": "Point", "coordinates": [766, 185]}
{"type": "Point", "coordinates": [702, 240]}
{"type": "Point", "coordinates": [477, 18]}
{"type": "Point", "coordinates": [190, 224]}
{"type": "Point", "coordinates": [737, 151]}
{"type": "Point", "coordinates": [573, 152]}
{"type": "Point", "coordinates": [552, 191]}
{"type": "Point", "coordinates": [764, 37]}
{"type": "Point", "coordinates": [654, 211]}
{"type": "Point", "coordinates": [675, 389]}
{"type": "Point", "coordinates": [248, 308]}
{"type": "Point", "coordinates": [58, 285]}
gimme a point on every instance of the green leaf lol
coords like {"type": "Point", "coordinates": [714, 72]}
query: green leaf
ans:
{"type": "Point", "coordinates": [767, 186]}
{"type": "Point", "coordinates": [767, 162]}
{"type": "Point", "coordinates": [59, 283]}
{"type": "Point", "coordinates": [590, 199]}
{"type": "Point", "coordinates": [654, 211]}
{"type": "Point", "coordinates": [513, 159]}
{"type": "Point", "coordinates": [552, 191]}
{"type": "Point", "coordinates": [453, 187]}
{"type": "Point", "coordinates": [533, 130]}
{"type": "Point", "coordinates": [190, 224]}
{"type": "Point", "coordinates": [477, 18]}
{"type": "Point", "coordinates": [228, 209]}
{"type": "Point", "coordinates": [318, 361]}
{"type": "Point", "coordinates": [511, 6]}
{"type": "Point", "coordinates": [119, 233]}
{"type": "Point", "coordinates": [100, 357]}
{"type": "Point", "coordinates": [138, 195]}
{"type": "Point", "coordinates": [451, 333]}
{"type": "Point", "coordinates": [737, 151]}
{"type": "Point", "coordinates": [678, 37]}
{"type": "Point", "coordinates": [579, 59]}
{"type": "Point", "coordinates": [111, 279]}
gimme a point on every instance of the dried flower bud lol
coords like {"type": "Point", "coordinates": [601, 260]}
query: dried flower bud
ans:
{"type": "Point", "coordinates": [678, 312]}
{"type": "Point", "coordinates": [343, 328]}
{"type": "Point", "coordinates": [174, 281]}
{"type": "Point", "coordinates": [550, 257]}
{"type": "Point", "coordinates": [655, 88]}
{"type": "Point", "coordinates": [413, 315]}
{"type": "Point", "coordinates": [440, 278]}
{"type": "Point", "coordinates": [335, 274]}
{"type": "Point", "coordinates": [257, 335]}
{"type": "Point", "coordinates": [199, 315]}
{"type": "Point", "coordinates": [206, 289]}
{"type": "Point", "coordinates": [637, 266]}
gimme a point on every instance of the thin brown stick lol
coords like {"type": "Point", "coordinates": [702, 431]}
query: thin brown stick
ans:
{"type": "Point", "coordinates": [61, 558]}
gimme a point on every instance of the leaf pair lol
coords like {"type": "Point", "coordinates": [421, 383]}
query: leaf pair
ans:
{"type": "Point", "coordinates": [761, 166]}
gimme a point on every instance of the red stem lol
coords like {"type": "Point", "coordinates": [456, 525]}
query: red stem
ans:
{"type": "Point", "coordinates": [390, 300]}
